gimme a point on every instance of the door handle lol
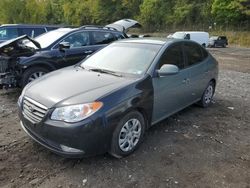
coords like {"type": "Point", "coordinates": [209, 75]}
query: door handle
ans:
{"type": "Point", "coordinates": [88, 52]}
{"type": "Point", "coordinates": [186, 81]}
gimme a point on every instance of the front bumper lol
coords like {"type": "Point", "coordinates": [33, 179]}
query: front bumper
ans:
{"type": "Point", "coordinates": [86, 138]}
{"type": "Point", "coordinates": [8, 80]}
{"type": "Point", "coordinates": [49, 146]}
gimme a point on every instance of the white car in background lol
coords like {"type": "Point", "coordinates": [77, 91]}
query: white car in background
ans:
{"type": "Point", "coordinates": [200, 37]}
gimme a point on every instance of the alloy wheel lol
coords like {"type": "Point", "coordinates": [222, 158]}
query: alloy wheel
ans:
{"type": "Point", "coordinates": [130, 135]}
{"type": "Point", "coordinates": [35, 75]}
{"type": "Point", "coordinates": [209, 94]}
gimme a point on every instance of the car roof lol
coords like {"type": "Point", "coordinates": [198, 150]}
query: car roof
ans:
{"type": "Point", "coordinates": [149, 40]}
{"type": "Point", "coordinates": [98, 28]}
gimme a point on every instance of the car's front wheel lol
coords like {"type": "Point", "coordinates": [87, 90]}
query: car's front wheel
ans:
{"type": "Point", "coordinates": [208, 94]}
{"type": "Point", "coordinates": [128, 134]}
{"type": "Point", "coordinates": [32, 74]}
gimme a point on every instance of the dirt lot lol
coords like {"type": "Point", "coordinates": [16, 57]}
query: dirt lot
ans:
{"type": "Point", "coordinates": [194, 148]}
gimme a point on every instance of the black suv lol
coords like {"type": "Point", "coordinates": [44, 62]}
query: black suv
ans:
{"type": "Point", "coordinates": [23, 59]}
{"type": "Point", "coordinates": [216, 41]}
{"type": "Point", "coordinates": [10, 31]}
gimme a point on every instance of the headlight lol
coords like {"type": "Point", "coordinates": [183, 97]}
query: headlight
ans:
{"type": "Point", "coordinates": [75, 113]}
{"type": "Point", "coordinates": [19, 102]}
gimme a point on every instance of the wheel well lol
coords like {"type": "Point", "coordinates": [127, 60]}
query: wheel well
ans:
{"type": "Point", "coordinates": [214, 81]}
{"type": "Point", "coordinates": [144, 114]}
{"type": "Point", "coordinates": [40, 65]}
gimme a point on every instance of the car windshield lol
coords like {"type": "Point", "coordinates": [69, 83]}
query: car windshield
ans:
{"type": "Point", "coordinates": [123, 57]}
{"type": "Point", "coordinates": [178, 35]}
{"type": "Point", "coordinates": [47, 39]}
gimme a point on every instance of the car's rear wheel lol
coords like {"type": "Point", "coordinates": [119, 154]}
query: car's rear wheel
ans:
{"type": "Point", "coordinates": [32, 74]}
{"type": "Point", "coordinates": [207, 96]}
{"type": "Point", "coordinates": [128, 134]}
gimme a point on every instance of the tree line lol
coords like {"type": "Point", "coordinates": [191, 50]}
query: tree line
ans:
{"type": "Point", "coordinates": [153, 14]}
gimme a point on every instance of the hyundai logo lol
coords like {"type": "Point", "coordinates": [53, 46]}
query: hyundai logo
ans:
{"type": "Point", "coordinates": [31, 108]}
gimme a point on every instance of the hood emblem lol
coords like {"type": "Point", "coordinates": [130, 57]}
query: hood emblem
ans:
{"type": "Point", "coordinates": [31, 108]}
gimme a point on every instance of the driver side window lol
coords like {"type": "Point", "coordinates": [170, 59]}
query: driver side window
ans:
{"type": "Point", "coordinates": [78, 40]}
{"type": "Point", "coordinates": [173, 55]}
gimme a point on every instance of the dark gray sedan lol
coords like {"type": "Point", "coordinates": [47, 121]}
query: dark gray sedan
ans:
{"type": "Point", "coordinates": [107, 102]}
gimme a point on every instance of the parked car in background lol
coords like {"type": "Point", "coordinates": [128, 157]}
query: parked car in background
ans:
{"type": "Point", "coordinates": [124, 25]}
{"type": "Point", "coordinates": [22, 62]}
{"type": "Point", "coordinates": [107, 102]}
{"type": "Point", "coordinates": [218, 41]}
{"type": "Point", "coordinates": [10, 31]}
{"type": "Point", "coordinates": [198, 36]}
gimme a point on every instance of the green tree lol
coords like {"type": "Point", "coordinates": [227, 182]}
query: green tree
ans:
{"type": "Point", "coordinates": [228, 11]}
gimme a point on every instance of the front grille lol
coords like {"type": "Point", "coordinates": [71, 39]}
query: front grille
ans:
{"type": "Point", "coordinates": [33, 111]}
{"type": "Point", "coordinates": [3, 64]}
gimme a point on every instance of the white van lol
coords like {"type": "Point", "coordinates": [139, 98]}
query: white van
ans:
{"type": "Point", "coordinates": [198, 36]}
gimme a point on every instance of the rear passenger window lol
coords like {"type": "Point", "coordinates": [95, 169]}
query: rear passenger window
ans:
{"type": "Point", "coordinates": [193, 53]}
{"type": "Point", "coordinates": [204, 53]}
{"type": "Point", "coordinates": [119, 36]}
{"type": "Point", "coordinates": [51, 28]}
{"type": "Point", "coordinates": [173, 55]}
{"type": "Point", "coordinates": [38, 31]}
{"type": "Point", "coordinates": [32, 32]}
{"type": "Point", "coordinates": [28, 31]}
{"type": "Point", "coordinates": [102, 37]}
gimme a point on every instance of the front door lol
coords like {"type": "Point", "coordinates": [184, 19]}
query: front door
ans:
{"type": "Point", "coordinates": [170, 92]}
{"type": "Point", "coordinates": [80, 47]}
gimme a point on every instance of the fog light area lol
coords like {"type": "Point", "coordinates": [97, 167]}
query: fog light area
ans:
{"type": "Point", "coordinates": [69, 149]}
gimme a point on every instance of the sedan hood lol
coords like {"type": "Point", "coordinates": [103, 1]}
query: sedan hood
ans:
{"type": "Point", "coordinates": [124, 25]}
{"type": "Point", "coordinates": [72, 85]}
{"type": "Point", "coordinates": [15, 47]}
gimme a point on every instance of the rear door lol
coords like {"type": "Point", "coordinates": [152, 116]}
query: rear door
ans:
{"type": "Point", "coordinates": [100, 39]}
{"type": "Point", "coordinates": [196, 65]}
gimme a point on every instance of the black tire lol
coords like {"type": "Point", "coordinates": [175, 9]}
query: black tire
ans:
{"type": "Point", "coordinates": [29, 72]}
{"type": "Point", "coordinates": [204, 102]}
{"type": "Point", "coordinates": [115, 149]}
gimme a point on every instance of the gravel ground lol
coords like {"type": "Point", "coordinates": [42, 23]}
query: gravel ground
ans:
{"type": "Point", "coordinates": [195, 148]}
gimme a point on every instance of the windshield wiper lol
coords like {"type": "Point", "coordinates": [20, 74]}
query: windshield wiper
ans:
{"type": "Point", "coordinates": [79, 65]}
{"type": "Point", "coordinates": [105, 71]}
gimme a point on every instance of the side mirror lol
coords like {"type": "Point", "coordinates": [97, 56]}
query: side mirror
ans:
{"type": "Point", "coordinates": [187, 36]}
{"type": "Point", "coordinates": [64, 45]}
{"type": "Point", "coordinates": [167, 69]}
